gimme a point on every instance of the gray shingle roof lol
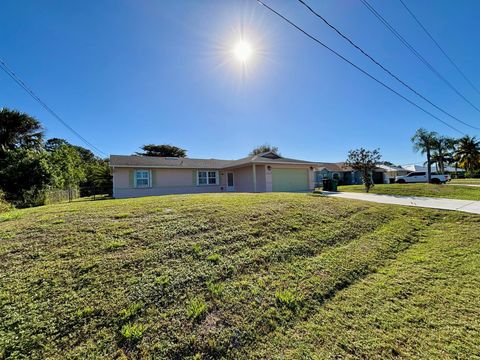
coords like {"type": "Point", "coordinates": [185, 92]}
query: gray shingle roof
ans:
{"type": "Point", "coordinates": [188, 163]}
{"type": "Point", "coordinates": [153, 161]}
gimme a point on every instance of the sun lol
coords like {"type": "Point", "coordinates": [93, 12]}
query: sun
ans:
{"type": "Point", "coordinates": [243, 51]}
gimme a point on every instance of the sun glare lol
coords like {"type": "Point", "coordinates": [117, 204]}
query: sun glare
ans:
{"type": "Point", "coordinates": [243, 51]}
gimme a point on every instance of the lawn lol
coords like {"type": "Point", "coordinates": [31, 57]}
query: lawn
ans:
{"type": "Point", "coordinates": [243, 276]}
{"type": "Point", "coordinates": [429, 190]}
{"type": "Point", "coordinates": [470, 181]}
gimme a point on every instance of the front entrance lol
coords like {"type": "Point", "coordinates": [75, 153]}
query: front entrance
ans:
{"type": "Point", "coordinates": [230, 182]}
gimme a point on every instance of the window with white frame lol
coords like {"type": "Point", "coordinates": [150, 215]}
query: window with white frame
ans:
{"type": "Point", "coordinates": [142, 178]}
{"type": "Point", "coordinates": [207, 177]}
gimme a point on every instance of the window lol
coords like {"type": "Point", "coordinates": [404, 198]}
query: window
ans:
{"type": "Point", "coordinates": [142, 178]}
{"type": "Point", "coordinates": [207, 177]}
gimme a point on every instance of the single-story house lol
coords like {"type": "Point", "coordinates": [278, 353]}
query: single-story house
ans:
{"type": "Point", "coordinates": [393, 171]}
{"type": "Point", "coordinates": [448, 169]}
{"type": "Point", "coordinates": [135, 176]}
{"type": "Point", "coordinates": [345, 175]}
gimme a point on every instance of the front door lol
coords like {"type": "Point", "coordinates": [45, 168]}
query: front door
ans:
{"type": "Point", "coordinates": [230, 182]}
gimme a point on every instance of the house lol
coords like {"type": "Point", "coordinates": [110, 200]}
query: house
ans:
{"type": "Point", "coordinates": [345, 175]}
{"type": "Point", "coordinates": [447, 169]}
{"type": "Point", "coordinates": [135, 176]}
{"type": "Point", "coordinates": [393, 171]}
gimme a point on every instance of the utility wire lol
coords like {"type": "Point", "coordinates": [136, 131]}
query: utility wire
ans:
{"type": "Point", "coordinates": [383, 67]}
{"type": "Point", "coordinates": [416, 53]}
{"type": "Point", "coordinates": [21, 83]}
{"type": "Point", "coordinates": [358, 68]}
{"type": "Point", "coordinates": [440, 48]}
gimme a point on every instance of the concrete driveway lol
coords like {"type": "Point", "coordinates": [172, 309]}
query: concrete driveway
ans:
{"type": "Point", "coordinates": [468, 206]}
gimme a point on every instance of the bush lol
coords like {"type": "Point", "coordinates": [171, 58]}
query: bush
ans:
{"type": "Point", "coordinates": [4, 205]}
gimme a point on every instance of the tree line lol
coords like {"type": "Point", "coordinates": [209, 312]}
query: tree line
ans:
{"type": "Point", "coordinates": [32, 167]}
{"type": "Point", "coordinates": [441, 150]}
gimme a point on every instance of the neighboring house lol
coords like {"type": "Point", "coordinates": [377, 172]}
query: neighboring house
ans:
{"type": "Point", "coordinates": [393, 171]}
{"type": "Point", "coordinates": [345, 175]}
{"type": "Point", "coordinates": [135, 176]}
{"type": "Point", "coordinates": [448, 169]}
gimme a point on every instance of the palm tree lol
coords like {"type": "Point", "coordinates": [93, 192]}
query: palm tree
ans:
{"type": "Point", "coordinates": [425, 141]}
{"type": "Point", "coordinates": [19, 130]}
{"type": "Point", "coordinates": [467, 153]}
{"type": "Point", "coordinates": [443, 152]}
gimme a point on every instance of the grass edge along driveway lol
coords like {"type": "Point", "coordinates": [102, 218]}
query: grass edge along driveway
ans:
{"type": "Point", "coordinates": [426, 190]}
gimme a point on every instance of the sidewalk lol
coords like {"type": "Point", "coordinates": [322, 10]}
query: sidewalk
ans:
{"type": "Point", "coordinates": [434, 203]}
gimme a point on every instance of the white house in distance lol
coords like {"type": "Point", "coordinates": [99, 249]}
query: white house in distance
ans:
{"type": "Point", "coordinates": [415, 168]}
{"type": "Point", "coordinates": [136, 176]}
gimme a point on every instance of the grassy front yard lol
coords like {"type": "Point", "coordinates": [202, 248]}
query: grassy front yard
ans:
{"type": "Point", "coordinates": [238, 276]}
{"type": "Point", "coordinates": [429, 190]}
{"type": "Point", "coordinates": [471, 181]}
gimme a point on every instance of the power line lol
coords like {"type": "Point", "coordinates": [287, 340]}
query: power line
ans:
{"type": "Point", "coordinates": [416, 53]}
{"type": "Point", "coordinates": [358, 68]}
{"type": "Point", "coordinates": [440, 48]}
{"type": "Point", "coordinates": [383, 67]}
{"type": "Point", "coordinates": [21, 83]}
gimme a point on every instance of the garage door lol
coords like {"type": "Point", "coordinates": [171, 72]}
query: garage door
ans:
{"type": "Point", "coordinates": [289, 179]}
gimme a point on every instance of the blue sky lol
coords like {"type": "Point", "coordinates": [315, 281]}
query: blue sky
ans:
{"type": "Point", "coordinates": [125, 73]}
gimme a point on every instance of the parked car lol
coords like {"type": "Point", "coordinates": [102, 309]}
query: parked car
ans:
{"type": "Point", "coordinates": [421, 177]}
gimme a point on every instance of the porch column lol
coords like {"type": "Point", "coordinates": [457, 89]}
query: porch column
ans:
{"type": "Point", "coordinates": [254, 174]}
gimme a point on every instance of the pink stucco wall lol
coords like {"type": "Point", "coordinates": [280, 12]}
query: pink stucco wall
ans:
{"type": "Point", "coordinates": [183, 181]}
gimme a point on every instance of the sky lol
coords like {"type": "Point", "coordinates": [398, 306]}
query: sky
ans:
{"type": "Point", "coordinates": [125, 73]}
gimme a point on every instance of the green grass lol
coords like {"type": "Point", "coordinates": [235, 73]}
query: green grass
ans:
{"type": "Point", "coordinates": [428, 190]}
{"type": "Point", "coordinates": [471, 181]}
{"type": "Point", "coordinates": [239, 276]}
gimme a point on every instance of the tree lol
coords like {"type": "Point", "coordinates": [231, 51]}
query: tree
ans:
{"type": "Point", "coordinates": [425, 141]}
{"type": "Point", "coordinates": [98, 178]}
{"type": "Point", "coordinates": [68, 167]}
{"type": "Point", "coordinates": [54, 143]}
{"type": "Point", "coordinates": [263, 149]}
{"type": "Point", "coordinates": [467, 153]}
{"type": "Point", "coordinates": [162, 151]}
{"type": "Point", "coordinates": [19, 130]}
{"type": "Point", "coordinates": [25, 175]}
{"type": "Point", "coordinates": [443, 152]}
{"type": "Point", "coordinates": [364, 161]}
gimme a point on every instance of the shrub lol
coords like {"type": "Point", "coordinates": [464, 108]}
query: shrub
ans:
{"type": "Point", "coordinates": [197, 308]}
{"type": "Point", "coordinates": [4, 205]}
{"type": "Point", "coordinates": [121, 216]}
